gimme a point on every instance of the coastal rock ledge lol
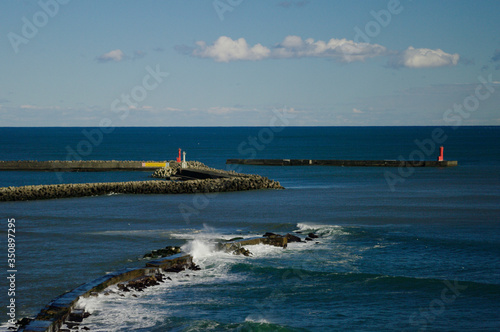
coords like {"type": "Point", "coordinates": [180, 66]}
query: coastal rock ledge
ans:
{"type": "Point", "coordinates": [36, 192]}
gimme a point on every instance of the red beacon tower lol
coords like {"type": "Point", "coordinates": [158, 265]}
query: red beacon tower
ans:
{"type": "Point", "coordinates": [441, 151]}
{"type": "Point", "coordinates": [179, 157]}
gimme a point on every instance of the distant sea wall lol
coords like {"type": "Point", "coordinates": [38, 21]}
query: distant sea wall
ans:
{"type": "Point", "coordinates": [37, 192]}
{"type": "Point", "coordinates": [79, 165]}
{"type": "Point", "coordinates": [344, 163]}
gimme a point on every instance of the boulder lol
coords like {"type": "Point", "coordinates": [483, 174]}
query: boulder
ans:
{"type": "Point", "coordinates": [292, 238]}
{"type": "Point", "coordinates": [242, 251]}
{"type": "Point", "coordinates": [271, 235]}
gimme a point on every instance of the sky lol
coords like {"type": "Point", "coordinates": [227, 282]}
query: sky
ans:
{"type": "Point", "coordinates": [242, 62]}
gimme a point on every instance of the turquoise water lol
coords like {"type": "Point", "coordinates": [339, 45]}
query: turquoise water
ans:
{"type": "Point", "coordinates": [417, 253]}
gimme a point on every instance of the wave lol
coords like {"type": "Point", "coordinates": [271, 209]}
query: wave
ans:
{"type": "Point", "coordinates": [319, 186]}
{"type": "Point", "coordinates": [322, 230]}
{"type": "Point", "coordinates": [208, 300]}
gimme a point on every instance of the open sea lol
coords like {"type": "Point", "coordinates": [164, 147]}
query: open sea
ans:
{"type": "Point", "coordinates": [413, 249]}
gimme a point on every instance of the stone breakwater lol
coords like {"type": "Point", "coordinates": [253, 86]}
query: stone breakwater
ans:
{"type": "Point", "coordinates": [64, 313]}
{"type": "Point", "coordinates": [37, 192]}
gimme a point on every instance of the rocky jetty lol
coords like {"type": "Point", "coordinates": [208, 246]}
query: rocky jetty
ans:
{"type": "Point", "coordinates": [62, 314]}
{"type": "Point", "coordinates": [36, 192]}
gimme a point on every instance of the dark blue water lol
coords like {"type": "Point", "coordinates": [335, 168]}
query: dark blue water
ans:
{"type": "Point", "coordinates": [413, 250]}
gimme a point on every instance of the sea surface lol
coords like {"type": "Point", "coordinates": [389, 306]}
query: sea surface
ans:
{"type": "Point", "coordinates": [413, 249]}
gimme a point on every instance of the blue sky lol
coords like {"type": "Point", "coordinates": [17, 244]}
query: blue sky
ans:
{"type": "Point", "coordinates": [232, 62]}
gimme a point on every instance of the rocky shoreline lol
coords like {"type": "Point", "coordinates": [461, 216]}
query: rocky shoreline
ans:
{"type": "Point", "coordinates": [235, 183]}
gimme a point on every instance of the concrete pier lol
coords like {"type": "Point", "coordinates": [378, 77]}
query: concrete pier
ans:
{"type": "Point", "coordinates": [204, 174]}
{"type": "Point", "coordinates": [80, 165]}
{"type": "Point", "coordinates": [56, 312]}
{"type": "Point", "coordinates": [170, 261]}
{"type": "Point", "coordinates": [345, 163]}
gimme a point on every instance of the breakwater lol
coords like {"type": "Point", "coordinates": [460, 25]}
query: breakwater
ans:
{"type": "Point", "coordinates": [36, 192]}
{"type": "Point", "coordinates": [62, 309]}
{"type": "Point", "coordinates": [345, 163]}
{"type": "Point", "coordinates": [63, 314]}
{"type": "Point", "coordinates": [79, 165]}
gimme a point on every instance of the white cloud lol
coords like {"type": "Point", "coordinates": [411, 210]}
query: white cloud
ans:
{"type": "Point", "coordinates": [340, 49]}
{"type": "Point", "coordinates": [357, 111]}
{"type": "Point", "coordinates": [173, 109]}
{"type": "Point", "coordinates": [220, 110]}
{"type": "Point", "coordinates": [424, 58]}
{"type": "Point", "coordinates": [115, 55]}
{"type": "Point", "coordinates": [226, 49]}
{"type": "Point", "coordinates": [35, 107]}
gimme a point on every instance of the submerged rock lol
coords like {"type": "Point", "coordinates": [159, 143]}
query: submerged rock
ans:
{"type": "Point", "coordinates": [164, 252]}
{"type": "Point", "coordinates": [242, 251]}
{"type": "Point", "coordinates": [235, 239]}
{"type": "Point", "coordinates": [194, 267]}
{"type": "Point", "coordinates": [292, 238]}
{"type": "Point", "coordinates": [23, 321]}
{"type": "Point", "coordinates": [175, 269]}
{"type": "Point", "coordinates": [271, 235]}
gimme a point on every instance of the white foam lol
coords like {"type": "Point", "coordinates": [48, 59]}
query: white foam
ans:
{"type": "Point", "coordinates": [254, 319]}
{"type": "Point", "coordinates": [262, 250]}
{"type": "Point", "coordinates": [199, 248]}
{"type": "Point", "coordinates": [120, 311]}
{"type": "Point", "coordinates": [322, 230]}
{"type": "Point", "coordinates": [5, 326]}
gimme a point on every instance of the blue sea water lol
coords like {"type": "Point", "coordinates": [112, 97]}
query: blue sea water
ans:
{"type": "Point", "coordinates": [414, 249]}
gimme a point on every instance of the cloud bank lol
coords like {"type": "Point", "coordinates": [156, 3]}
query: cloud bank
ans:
{"type": "Point", "coordinates": [115, 55]}
{"type": "Point", "coordinates": [340, 49]}
{"type": "Point", "coordinates": [424, 58]}
{"type": "Point", "coordinates": [225, 49]}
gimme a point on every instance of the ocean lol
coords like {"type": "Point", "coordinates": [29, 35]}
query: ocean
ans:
{"type": "Point", "coordinates": [414, 249]}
